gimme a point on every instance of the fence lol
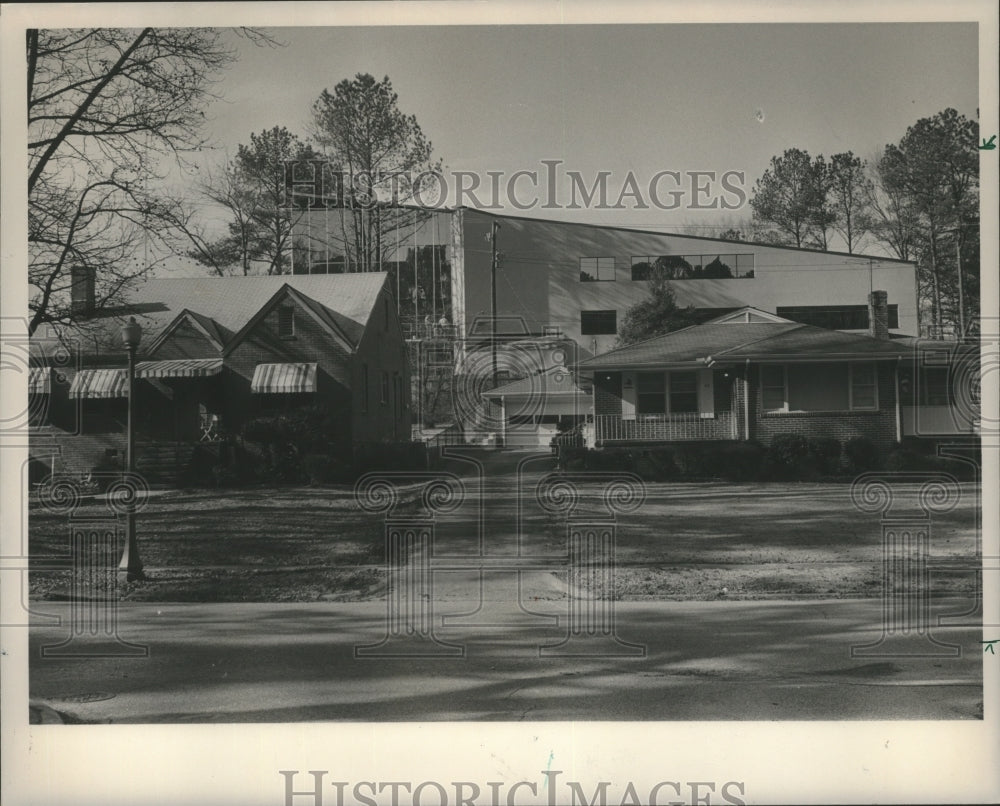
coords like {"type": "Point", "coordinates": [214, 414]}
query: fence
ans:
{"type": "Point", "coordinates": [663, 427]}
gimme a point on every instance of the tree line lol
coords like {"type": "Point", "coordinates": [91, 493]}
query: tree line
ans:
{"type": "Point", "coordinates": [109, 109]}
{"type": "Point", "coordinates": [916, 200]}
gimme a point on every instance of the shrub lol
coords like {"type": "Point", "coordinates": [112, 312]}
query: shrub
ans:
{"type": "Point", "coordinates": [228, 476]}
{"type": "Point", "coordinates": [826, 452]}
{"type": "Point", "coordinates": [390, 456]}
{"type": "Point", "coordinates": [572, 458]}
{"type": "Point", "coordinates": [788, 457]}
{"type": "Point", "coordinates": [322, 468]}
{"type": "Point", "coordinates": [106, 470]}
{"type": "Point", "coordinates": [862, 454]}
{"type": "Point", "coordinates": [741, 461]}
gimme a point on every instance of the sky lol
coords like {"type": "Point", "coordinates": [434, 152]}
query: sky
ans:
{"type": "Point", "coordinates": [619, 98]}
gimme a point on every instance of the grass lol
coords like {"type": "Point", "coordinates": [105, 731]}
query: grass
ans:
{"type": "Point", "coordinates": [687, 541]}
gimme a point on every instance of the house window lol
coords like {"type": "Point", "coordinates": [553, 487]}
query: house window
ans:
{"type": "Point", "coordinates": [835, 317]}
{"type": "Point", "coordinates": [772, 388]}
{"type": "Point", "coordinates": [864, 386]}
{"type": "Point", "coordinates": [819, 387]}
{"type": "Point", "coordinates": [683, 392]}
{"type": "Point", "coordinates": [286, 322]}
{"type": "Point", "coordinates": [598, 323]}
{"type": "Point", "coordinates": [364, 388]}
{"type": "Point", "coordinates": [594, 269]}
{"type": "Point", "coordinates": [651, 393]}
{"type": "Point", "coordinates": [385, 388]}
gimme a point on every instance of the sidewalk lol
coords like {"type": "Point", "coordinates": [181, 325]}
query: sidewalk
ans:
{"type": "Point", "coordinates": [721, 660]}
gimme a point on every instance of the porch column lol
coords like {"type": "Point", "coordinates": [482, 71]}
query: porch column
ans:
{"type": "Point", "coordinates": [746, 401]}
{"type": "Point", "coordinates": [899, 410]}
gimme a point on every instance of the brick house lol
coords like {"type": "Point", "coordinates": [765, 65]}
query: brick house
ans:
{"type": "Point", "coordinates": [751, 375]}
{"type": "Point", "coordinates": [218, 351]}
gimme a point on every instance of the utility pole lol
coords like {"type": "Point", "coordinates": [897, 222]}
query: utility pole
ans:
{"type": "Point", "coordinates": [493, 300]}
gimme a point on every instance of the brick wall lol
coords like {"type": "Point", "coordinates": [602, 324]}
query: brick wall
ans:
{"type": "Point", "coordinates": [607, 393]}
{"type": "Point", "coordinates": [878, 426]}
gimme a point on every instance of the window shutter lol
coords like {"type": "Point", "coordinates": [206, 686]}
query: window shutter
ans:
{"type": "Point", "coordinates": [628, 395]}
{"type": "Point", "coordinates": [706, 394]}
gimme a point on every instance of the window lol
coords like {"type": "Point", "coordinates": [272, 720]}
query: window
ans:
{"type": "Point", "coordinates": [364, 388]}
{"type": "Point", "coordinates": [864, 386]}
{"type": "Point", "coordinates": [935, 387]}
{"type": "Point", "coordinates": [385, 388]}
{"type": "Point", "coordinates": [593, 269]}
{"type": "Point", "coordinates": [598, 323]}
{"type": "Point", "coordinates": [551, 330]}
{"type": "Point", "coordinates": [683, 392]}
{"type": "Point", "coordinates": [819, 387]}
{"type": "Point", "coordinates": [693, 267]}
{"type": "Point", "coordinates": [772, 388]}
{"type": "Point", "coordinates": [286, 322]}
{"type": "Point", "coordinates": [836, 317]}
{"type": "Point", "coordinates": [651, 393]}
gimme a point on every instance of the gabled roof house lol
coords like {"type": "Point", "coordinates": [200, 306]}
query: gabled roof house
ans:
{"type": "Point", "coordinates": [218, 351]}
{"type": "Point", "coordinates": [751, 375]}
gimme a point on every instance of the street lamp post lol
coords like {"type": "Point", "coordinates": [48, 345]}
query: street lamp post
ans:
{"type": "Point", "coordinates": [130, 563]}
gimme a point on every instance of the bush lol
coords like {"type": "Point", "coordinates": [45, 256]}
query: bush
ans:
{"type": "Point", "coordinates": [788, 457]}
{"type": "Point", "coordinates": [741, 461]}
{"type": "Point", "coordinates": [403, 456]}
{"type": "Point", "coordinates": [322, 468]}
{"type": "Point", "coordinates": [826, 452]}
{"type": "Point", "coordinates": [862, 454]}
{"type": "Point", "coordinates": [904, 458]}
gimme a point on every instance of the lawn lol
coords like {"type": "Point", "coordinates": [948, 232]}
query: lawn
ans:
{"type": "Point", "coordinates": [687, 541]}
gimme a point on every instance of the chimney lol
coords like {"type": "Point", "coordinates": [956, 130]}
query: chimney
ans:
{"type": "Point", "coordinates": [878, 315]}
{"type": "Point", "coordinates": [82, 295]}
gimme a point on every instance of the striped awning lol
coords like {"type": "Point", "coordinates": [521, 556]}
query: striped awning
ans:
{"type": "Point", "coordinates": [91, 384]}
{"type": "Point", "coordinates": [179, 368]}
{"type": "Point", "coordinates": [283, 378]}
{"type": "Point", "coordinates": [38, 380]}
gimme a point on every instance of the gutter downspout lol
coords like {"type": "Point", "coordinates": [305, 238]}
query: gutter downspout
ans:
{"type": "Point", "coordinates": [746, 402]}
{"type": "Point", "coordinates": [899, 411]}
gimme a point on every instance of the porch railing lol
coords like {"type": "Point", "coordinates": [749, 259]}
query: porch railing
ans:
{"type": "Point", "coordinates": [663, 427]}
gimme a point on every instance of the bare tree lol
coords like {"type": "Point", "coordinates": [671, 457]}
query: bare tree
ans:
{"type": "Point", "coordinates": [105, 107]}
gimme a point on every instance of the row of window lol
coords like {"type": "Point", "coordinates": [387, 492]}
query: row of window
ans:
{"type": "Point", "coordinates": [674, 267]}
{"type": "Point", "coordinates": [819, 387]}
{"type": "Point", "coordinates": [836, 317]}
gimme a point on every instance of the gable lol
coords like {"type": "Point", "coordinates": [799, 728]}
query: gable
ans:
{"type": "Point", "coordinates": [186, 337]}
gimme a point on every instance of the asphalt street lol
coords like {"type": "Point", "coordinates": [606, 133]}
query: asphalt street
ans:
{"type": "Point", "coordinates": [720, 660]}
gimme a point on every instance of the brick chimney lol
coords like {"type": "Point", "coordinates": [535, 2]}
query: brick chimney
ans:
{"type": "Point", "coordinates": [82, 294]}
{"type": "Point", "coordinates": [878, 315]}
